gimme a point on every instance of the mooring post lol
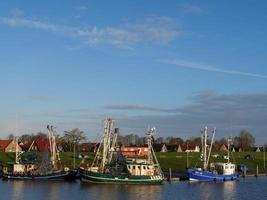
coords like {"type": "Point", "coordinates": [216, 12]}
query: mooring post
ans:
{"type": "Point", "coordinates": [170, 174]}
{"type": "Point", "coordinates": [245, 172]}
{"type": "Point", "coordinates": [257, 171]}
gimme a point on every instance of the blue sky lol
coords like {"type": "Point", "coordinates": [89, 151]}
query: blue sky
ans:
{"type": "Point", "coordinates": [145, 63]}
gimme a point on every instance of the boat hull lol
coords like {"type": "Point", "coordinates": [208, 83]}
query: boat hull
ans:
{"type": "Point", "coordinates": [199, 175]}
{"type": "Point", "coordinates": [94, 177]}
{"type": "Point", "coordinates": [70, 175]}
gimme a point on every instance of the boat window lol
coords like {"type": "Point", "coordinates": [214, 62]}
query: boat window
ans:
{"type": "Point", "coordinates": [139, 167]}
{"type": "Point", "coordinates": [144, 167]}
{"type": "Point", "coordinates": [133, 167]}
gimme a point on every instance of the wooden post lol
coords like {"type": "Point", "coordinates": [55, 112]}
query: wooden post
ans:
{"type": "Point", "coordinates": [264, 157]}
{"type": "Point", "coordinates": [170, 174]}
{"type": "Point", "coordinates": [245, 172]}
{"type": "Point", "coordinates": [257, 171]}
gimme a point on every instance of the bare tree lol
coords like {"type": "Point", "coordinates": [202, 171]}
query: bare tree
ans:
{"type": "Point", "coordinates": [11, 136]}
{"type": "Point", "coordinates": [73, 137]}
{"type": "Point", "coordinates": [245, 140]}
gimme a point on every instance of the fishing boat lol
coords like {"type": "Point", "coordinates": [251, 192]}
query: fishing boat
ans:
{"type": "Point", "coordinates": [48, 169]}
{"type": "Point", "coordinates": [109, 165]}
{"type": "Point", "coordinates": [218, 171]}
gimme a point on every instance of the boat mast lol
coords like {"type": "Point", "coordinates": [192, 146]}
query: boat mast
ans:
{"type": "Point", "coordinates": [17, 159]}
{"type": "Point", "coordinates": [151, 153]}
{"type": "Point", "coordinates": [150, 132]}
{"type": "Point", "coordinates": [205, 148]}
{"type": "Point", "coordinates": [205, 138]}
{"type": "Point", "coordinates": [228, 148]}
{"type": "Point", "coordinates": [17, 151]}
{"type": "Point", "coordinates": [106, 143]}
{"type": "Point", "coordinates": [52, 145]}
{"type": "Point", "coordinates": [212, 140]}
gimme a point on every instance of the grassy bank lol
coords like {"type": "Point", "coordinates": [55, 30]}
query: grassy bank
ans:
{"type": "Point", "coordinates": [176, 161]}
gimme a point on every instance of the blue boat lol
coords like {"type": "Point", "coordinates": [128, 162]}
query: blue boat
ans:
{"type": "Point", "coordinates": [217, 171]}
{"type": "Point", "coordinates": [200, 175]}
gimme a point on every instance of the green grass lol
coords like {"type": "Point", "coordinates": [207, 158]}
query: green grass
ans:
{"type": "Point", "coordinates": [176, 161]}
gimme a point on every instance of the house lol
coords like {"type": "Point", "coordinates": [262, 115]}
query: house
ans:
{"type": "Point", "coordinates": [172, 147]}
{"type": "Point", "coordinates": [236, 149]}
{"type": "Point", "coordinates": [160, 148]}
{"type": "Point", "coordinates": [134, 151]}
{"type": "Point", "coordinates": [223, 148]}
{"type": "Point", "coordinates": [164, 149]}
{"type": "Point", "coordinates": [179, 148]}
{"type": "Point", "coordinates": [9, 146]}
{"type": "Point", "coordinates": [40, 145]}
{"type": "Point", "coordinates": [188, 148]}
{"type": "Point", "coordinates": [157, 147]}
{"type": "Point", "coordinates": [258, 149]}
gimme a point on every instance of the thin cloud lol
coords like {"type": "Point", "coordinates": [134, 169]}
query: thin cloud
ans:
{"type": "Point", "coordinates": [139, 108]}
{"type": "Point", "coordinates": [203, 67]}
{"type": "Point", "coordinates": [190, 8]}
{"type": "Point", "coordinates": [153, 30]}
{"type": "Point", "coordinates": [82, 8]}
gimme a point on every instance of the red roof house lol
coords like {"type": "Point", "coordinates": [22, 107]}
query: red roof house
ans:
{"type": "Point", "coordinates": [9, 146]}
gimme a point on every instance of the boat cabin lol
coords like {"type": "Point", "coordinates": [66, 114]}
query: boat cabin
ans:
{"type": "Point", "coordinates": [23, 168]}
{"type": "Point", "coordinates": [140, 169]}
{"type": "Point", "coordinates": [223, 168]}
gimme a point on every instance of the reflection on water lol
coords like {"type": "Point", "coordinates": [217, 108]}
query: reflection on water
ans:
{"type": "Point", "coordinates": [229, 189]}
{"type": "Point", "coordinates": [104, 192]}
{"type": "Point", "coordinates": [17, 191]}
{"type": "Point", "coordinates": [249, 188]}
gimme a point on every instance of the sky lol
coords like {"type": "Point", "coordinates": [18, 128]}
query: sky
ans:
{"type": "Point", "coordinates": [176, 65]}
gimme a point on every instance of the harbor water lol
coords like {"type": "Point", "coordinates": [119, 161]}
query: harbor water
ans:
{"type": "Point", "coordinates": [249, 188]}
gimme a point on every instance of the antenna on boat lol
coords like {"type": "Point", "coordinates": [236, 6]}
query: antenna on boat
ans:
{"type": "Point", "coordinates": [228, 152]}
{"type": "Point", "coordinates": [16, 140]}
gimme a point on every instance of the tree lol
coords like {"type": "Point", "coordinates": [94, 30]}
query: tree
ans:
{"type": "Point", "coordinates": [176, 141]}
{"type": "Point", "coordinates": [245, 140]}
{"type": "Point", "coordinates": [73, 137]}
{"type": "Point", "coordinates": [11, 136]}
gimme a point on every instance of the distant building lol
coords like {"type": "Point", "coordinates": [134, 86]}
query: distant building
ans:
{"type": "Point", "coordinates": [223, 148]}
{"type": "Point", "coordinates": [258, 149]}
{"type": "Point", "coordinates": [164, 148]}
{"type": "Point", "coordinates": [188, 148]}
{"type": "Point", "coordinates": [160, 148]}
{"type": "Point", "coordinates": [40, 145]}
{"type": "Point", "coordinates": [236, 149]}
{"type": "Point", "coordinates": [9, 146]}
{"type": "Point", "coordinates": [172, 147]}
{"type": "Point", "coordinates": [192, 148]}
{"type": "Point", "coordinates": [180, 149]}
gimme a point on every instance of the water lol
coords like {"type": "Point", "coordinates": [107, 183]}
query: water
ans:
{"type": "Point", "coordinates": [249, 188]}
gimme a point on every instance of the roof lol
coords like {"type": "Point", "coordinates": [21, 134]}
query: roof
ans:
{"type": "Point", "coordinates": [42, 144]}
{"type": "Point", "coordinates": [158, 147]}
{"type": "Point", "coordinates": [4, 144]}
{"type": "Point", "coordinates": [190, 147]}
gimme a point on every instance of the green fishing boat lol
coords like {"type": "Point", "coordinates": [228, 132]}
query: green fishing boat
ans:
{"type": "Point", "coordinates": [110, 166]}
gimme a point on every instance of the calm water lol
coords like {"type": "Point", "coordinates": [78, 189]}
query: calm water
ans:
{"type": "Point", "coordinates": [250, 188]}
